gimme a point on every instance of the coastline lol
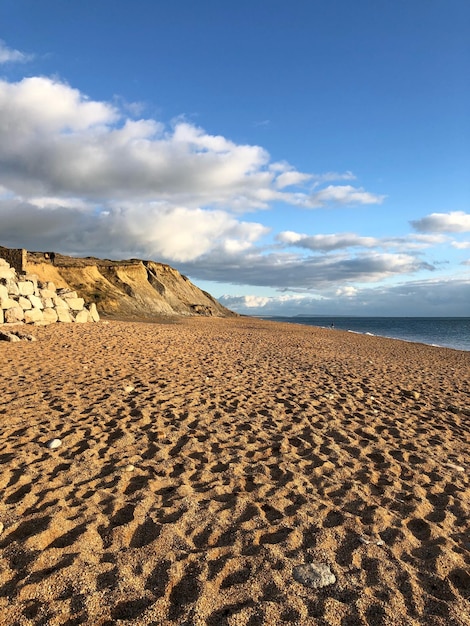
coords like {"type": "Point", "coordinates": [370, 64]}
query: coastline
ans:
{"type": "Point", "coordinates": [203, 460]}
{"type": "Point", "coordinates": [439, 332]}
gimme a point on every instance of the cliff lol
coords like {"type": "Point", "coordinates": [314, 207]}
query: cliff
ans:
{"type": "Point", "coordinates": [126, 289]}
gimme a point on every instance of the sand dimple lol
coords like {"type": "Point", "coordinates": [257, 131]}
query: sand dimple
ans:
{"type": "Point", "coordinates": [202, 462]}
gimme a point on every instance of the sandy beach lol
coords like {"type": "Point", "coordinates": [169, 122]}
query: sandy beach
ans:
{"type": "Point", "coordinates": [203, 461]}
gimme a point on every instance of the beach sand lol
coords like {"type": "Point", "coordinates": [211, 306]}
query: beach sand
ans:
{"type": "Point", "coordinates": [201, 462]}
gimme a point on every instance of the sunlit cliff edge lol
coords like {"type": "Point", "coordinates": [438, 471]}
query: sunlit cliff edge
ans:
{"type": "Point", "coordinates": [126, 289]}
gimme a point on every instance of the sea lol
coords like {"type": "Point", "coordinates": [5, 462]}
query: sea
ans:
{"type": "Point", "coordinates": [444, 332]}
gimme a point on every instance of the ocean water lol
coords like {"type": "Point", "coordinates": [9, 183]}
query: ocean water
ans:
{"type": "Point", "coordinates": [446, 332]}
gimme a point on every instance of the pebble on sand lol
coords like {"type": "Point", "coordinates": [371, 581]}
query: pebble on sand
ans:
{"type": "Point", "coordinates": [54, 443]}
{"type": "Point", "coordinates": [315, 575]}
{"type": "Point", "coordinates": [411, 393]}
{"type": "Point", "coordinates": [457, 468]}
{"type": "Point", "coordinates": [367, 540]}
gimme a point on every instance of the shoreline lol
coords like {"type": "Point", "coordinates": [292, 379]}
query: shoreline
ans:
{"type": "Point", "coordinates": [416, 339]}
{"type": "Point", "coordinates": [203, 463]}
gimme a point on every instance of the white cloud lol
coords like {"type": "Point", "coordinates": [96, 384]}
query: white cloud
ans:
{"type": "Point", "coordinates": [461, 245]}
{"type": "Point", "coordinates": [331, 176]}
{"type": "Point", "coordinates": [253, 302]}
{"type": "Point", "coordinates": [341, 241]}
{"type": "Point", "coordinates": [35, 107]}
{"type": "Point", "coordinates": [289, 237]}
{"type": "Point", "coordinates": [341, 195]}
{"type": "Point", "coordinates": [326, 243]}
{"type": "Point", "coordinates": [248, 303]}
{"type": "Point", "coordinates": [348, 292]}
{"type": "Point", "coordinates": [9, 55]}
{"type": "Point", "coordinates": [186, 234]}
{"type": "Point", "coordinates": [49, 202]}
{"type": "Point", "coordinates": [453, 222]}
{"type": "Point", "coordinates": [417, 241]}
{"type": "Point", "coordinates": [287, 179]}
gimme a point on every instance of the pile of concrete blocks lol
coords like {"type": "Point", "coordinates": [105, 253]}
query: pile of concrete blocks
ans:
{"type": "Point", "coordinates": [28, 300]}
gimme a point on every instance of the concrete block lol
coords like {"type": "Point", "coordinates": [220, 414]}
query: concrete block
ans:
{"type": "Point", "coordinates": [34, 315]}
{"type": "Point", "coordinates": [26, 288]}
{"type": "Point", "coordinates": [8, 303]}
{"type": "Point", "coordinates": [50, 315]}
{"type": "Point", "coordinates": [60, 302]}
{"type": "Point", "coordinates": [95, 316]}
{"type": "Point", "coordinates": [24, 303]}
{"type": "Point", "coordinates": [13, 289]}
{"type": "Point", "coordinates": [15, 314]}
{"type": "Point", "coordinates": [76, 304]}
{"type": "Point", "coordinates": [82, 316]}
{"type": "Point", "coordinates": [63, 314]}
{"type": "Point", "coordinates": [7, 273]}
{"type": "Point", "coordinates": [36, 302]}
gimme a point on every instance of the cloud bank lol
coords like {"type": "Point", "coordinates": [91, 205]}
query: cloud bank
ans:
{"type": "Point", "coordinates": [420, 297]}
{"type": "Point", "coordinates": [297, 272]}
{"type": "Point", "coordinates": [125, 185]}
{"type": "Point", "coordinates": [57, 142]}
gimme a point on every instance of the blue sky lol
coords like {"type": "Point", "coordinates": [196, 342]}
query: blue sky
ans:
{"type": "Point", "coordinates": [310, 157]}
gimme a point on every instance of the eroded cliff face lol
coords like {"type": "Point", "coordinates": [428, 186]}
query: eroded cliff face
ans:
{"type": "Point", "coordinates": [127, 289]}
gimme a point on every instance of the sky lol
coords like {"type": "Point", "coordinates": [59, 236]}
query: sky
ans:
{"type": "Point", "coordinates": [309, 157]}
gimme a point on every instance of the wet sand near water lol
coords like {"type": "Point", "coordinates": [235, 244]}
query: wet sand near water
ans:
{"type": "Point", "coordinates": [202, 462]}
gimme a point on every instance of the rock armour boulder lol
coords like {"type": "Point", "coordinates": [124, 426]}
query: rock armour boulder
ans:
{"type": "Point", "coordinates": [27, 300]}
